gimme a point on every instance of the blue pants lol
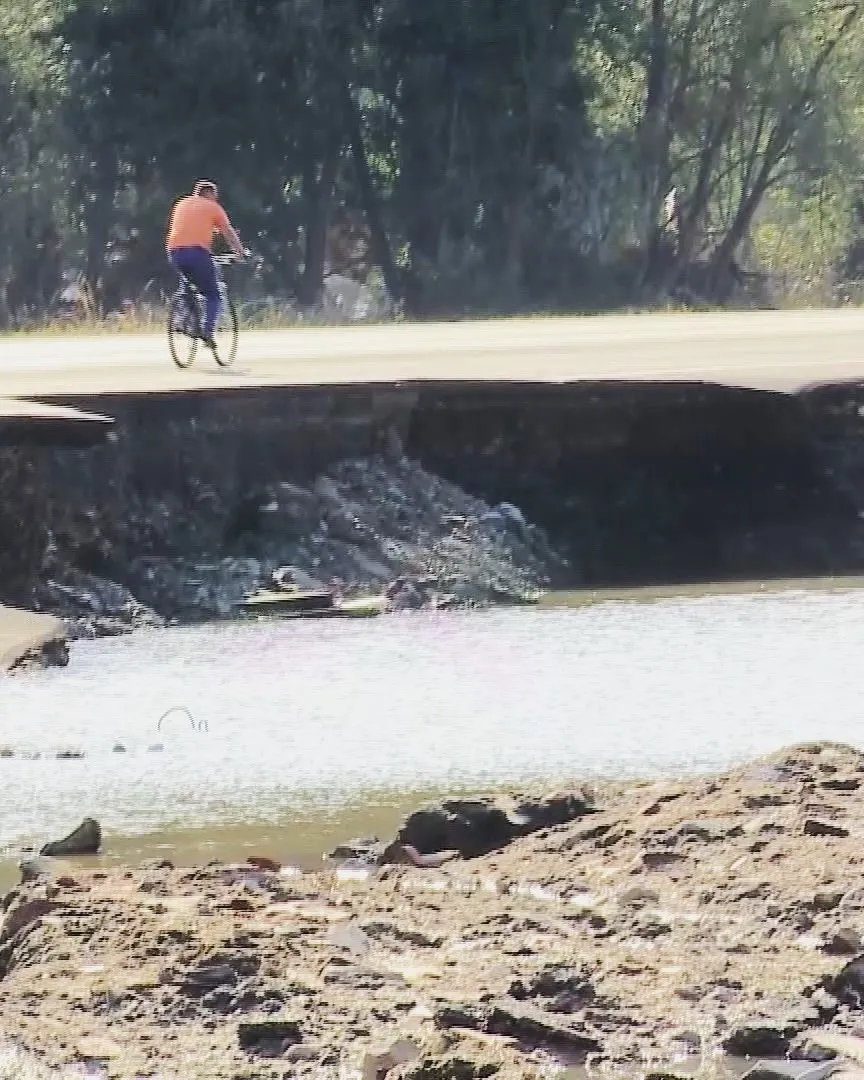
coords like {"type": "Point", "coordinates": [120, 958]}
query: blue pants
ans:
{"type": "Point", "coordinates": [196, 264]}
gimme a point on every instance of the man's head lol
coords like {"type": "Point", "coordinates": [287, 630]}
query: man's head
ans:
{"type": "Point", "coordinates": [206, 189]}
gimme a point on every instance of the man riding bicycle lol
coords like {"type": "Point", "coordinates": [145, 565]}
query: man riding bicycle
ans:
{"type": "Point", "coordinates": [195, 219]}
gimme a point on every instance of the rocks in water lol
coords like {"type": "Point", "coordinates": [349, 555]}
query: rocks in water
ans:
{"type": "Point", "coordinates": [248, 515]}
{"type": "Point", "coordinates": [290, 577]}
{"type": "Point", "coordinates": [363, 849]}
{"type": "Point", "coordinates": [406, 855]}
{"type": "Point", "coordinates": [368, 523]}
{"type": "Point", "coordinates": [475, 827]}
{"type": "Point", "coordinates": [465, 827]}
{"type": "Point", "coordinates": [85, 840]}
{"type": "Point", "coordinates": [185, 587]}
{"type": "Point", "coordinates": [93, 606]}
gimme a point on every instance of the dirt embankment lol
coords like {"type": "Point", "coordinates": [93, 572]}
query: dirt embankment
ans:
{"type": "Point", "coordinates": [436, 496]}
{"type": "Point", "coordinates": [669, 919]}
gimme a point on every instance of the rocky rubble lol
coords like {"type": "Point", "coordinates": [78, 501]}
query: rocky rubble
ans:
{"type": "Point", "coordinates": [368, 527]}
{"type": "Point", "coordinates": [677, 919]}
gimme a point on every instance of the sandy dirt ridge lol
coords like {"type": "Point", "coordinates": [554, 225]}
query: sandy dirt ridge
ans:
{"type": "Point", "coordinates": [670, 920]}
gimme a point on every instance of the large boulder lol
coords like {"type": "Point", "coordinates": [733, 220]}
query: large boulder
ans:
{"type": "Point", "coordinates": [85, 840]}
{"type": "Point", "coordinates": [475, 827]}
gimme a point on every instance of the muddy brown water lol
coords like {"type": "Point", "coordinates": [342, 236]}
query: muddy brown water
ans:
{"type": "Point", "coordinates": [288, 737]}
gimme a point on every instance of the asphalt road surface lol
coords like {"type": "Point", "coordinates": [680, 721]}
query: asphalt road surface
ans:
{"type": "Point", "coordinates": [763, 350]}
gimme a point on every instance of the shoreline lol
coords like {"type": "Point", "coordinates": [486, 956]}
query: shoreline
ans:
{"type": "Point", "coordinates": [626, 926]}
{"type": "Point", "coordinates": [31, 638]}
{"type": "Point", "coordinates": [378, 534]}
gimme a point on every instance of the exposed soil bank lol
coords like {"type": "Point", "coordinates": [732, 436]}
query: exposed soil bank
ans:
{"type": "Point", "coordinates": [26, 637]}
{"type": "Point", "coordinates": [672, 919]}
{"type": "Point", "coordinates": [195, 499]}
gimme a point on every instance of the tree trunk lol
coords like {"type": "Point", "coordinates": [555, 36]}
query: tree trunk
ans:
{"type": "Point", "coordinates": [379, 240]}
{"type": "Point", "coordinates": [319, 194]}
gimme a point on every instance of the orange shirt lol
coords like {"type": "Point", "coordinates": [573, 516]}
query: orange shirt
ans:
{"type": "Point", "coordinates": [194, 220]}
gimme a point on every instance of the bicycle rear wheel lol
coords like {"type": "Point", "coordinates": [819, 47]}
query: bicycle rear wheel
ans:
{"type": "Point", "coordinates": [225, 334]}
{"type": "Point", "coordinates": [181, 343]}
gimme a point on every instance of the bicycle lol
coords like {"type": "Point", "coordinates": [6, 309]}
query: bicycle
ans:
{"type": "Point", "coordinates": [186, 317]}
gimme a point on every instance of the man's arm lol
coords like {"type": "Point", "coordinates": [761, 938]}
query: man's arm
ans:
{"type": "Point", "coordinates": [227, 229]}
{"type": "Point", "coordinates": [170, 223]}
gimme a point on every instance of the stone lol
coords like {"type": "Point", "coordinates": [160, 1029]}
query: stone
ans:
{"type": "Point", "coordinates": [21, 916]}
{"type": "Point", "coordinates": [202, 980]}
{"type": "Point", "coordinates": [824, 1002]}
{"type": "Point", "coordinates": [32, 870]}
{"type": "Point", "coordinates": [661, 860]}
{"type": "Point", "coordinates": [842, 783]}
{"type": "Point", "coordinates": [845, 942]}
{"type": "Point", "coordinates": [820, 827]}
{"type": "Point", "coordinates": [157, 864]}
{"type": "Point", "coordinates": [827, 899]}
{"type": "Point", "coordinates": [475, 827]}
{"type": "Point", "coordinates": [803, 1049]}
{"type": "Point", "coordinates": [255, 1034]}
{"type": "Point", "coordinates": [377, 1064]}
{"type": "Point", "coordinates": [759, 1039]}
{"type": "Point", "coordinates": [637, 896]}
{"type": "Point", "coordinates": [848, 1046]}
{"type": "Point", "coordinates": [530, 1027]}
{"type": "Point", "coordinates": [261, 862]}
{"type": "Point", "coordinates": [698, 830]}
{"type": "Point", "coordinates": [567, 988]}
{"type": "Point", "coordinates": [789, 1070]}
{"type": "Point", "coordinates": [293, 578]}
{"type": "Point", "coordinates": [350, 937]}
{"type": "Point", "coordinates": [85, 840]}
{"type": "Point", "coordinates": [848, 984]}
{"type": "Point", "coordinates": [406, 855]}
{"type": "Point", "coordinates": [449, 1068]}
{"type": "Point", "coordinates": [302, 1052]}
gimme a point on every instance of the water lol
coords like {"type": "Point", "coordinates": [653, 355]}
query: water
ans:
{"type": "Point", "coordinates": [317, 721]}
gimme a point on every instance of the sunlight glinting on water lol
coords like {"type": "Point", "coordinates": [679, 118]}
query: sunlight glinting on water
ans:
{"type": "Point", "coordinates": [299, 714]}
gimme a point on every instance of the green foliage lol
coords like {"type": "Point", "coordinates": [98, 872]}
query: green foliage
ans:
{"type": "Point", "coordinates": [484, 154]}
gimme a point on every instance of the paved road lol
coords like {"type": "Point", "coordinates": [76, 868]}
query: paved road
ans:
{"type": "Point", "coordinates": [765, 350]}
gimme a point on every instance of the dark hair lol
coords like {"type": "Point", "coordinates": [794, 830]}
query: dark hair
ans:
{"type": "Point", "coordinates": [205, 187]}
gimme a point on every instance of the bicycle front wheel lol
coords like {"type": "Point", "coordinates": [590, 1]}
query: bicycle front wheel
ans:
{"type": "Point", "coordinates": [181, 344]}
{"type": "Point", "coordinates": [225, 334]}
